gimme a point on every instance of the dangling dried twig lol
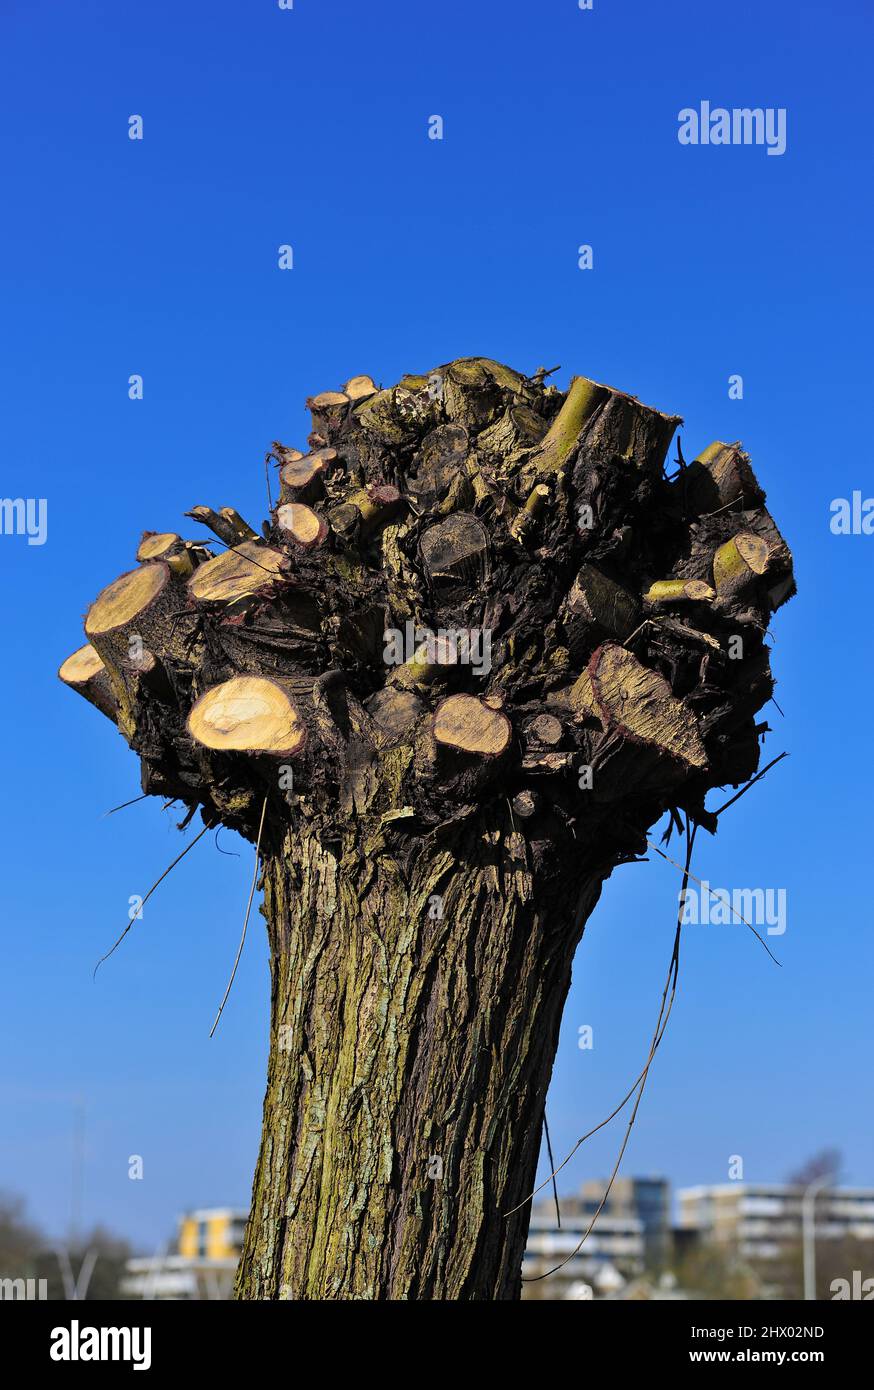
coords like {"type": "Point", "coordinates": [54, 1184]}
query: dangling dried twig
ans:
{"type": "Point", "coordinates": [231, 853]}
{"type": "Point", "coordinates": [245, 920]}
{"type": "Point", "coordinates": [751, 783]}
{"type": "Point", "coordinates": [673, 972]}
{"type": "Point", "coordinates": [132, 802]}
{"type": "Point", "coordinates": [661, 1025]}
{"type": "Point", "coordinates": [720, 897]}
{"type": "Point", "coordinates": [197, 837]}
{"type": "Point", "coordinates": [552, 1165]}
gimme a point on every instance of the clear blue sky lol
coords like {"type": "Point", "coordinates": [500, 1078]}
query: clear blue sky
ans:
{"type": "Point", "coordinates": [309, 127]}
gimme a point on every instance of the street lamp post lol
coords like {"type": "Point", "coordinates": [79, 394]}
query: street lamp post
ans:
{"type": "Point", "coordinates": [808, 1233]}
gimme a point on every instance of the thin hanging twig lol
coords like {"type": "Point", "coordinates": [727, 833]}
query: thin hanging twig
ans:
{"type": "Point", "coordinates": [687, 874]}
{"type": "Point", "coordinates": [197, 837]}
{"type": "Point", "coordinates": [552, 1165]}
{"type": "Point", "coordinates": [132, 802]}
{"type": "Point", "coordinates": [751, 783]}
{"type": "Point", "coordinates": [231, 853]}
{"type": "Point", "coordinates": [673, 971]}
{"type": "Point", "coordinates": [720, 897]}
{"type": "Point", "coordinates": [613, 1113]}
{"type": "Point", "coordinates": [661, 1025]}
{"type": "Point", "coordinates": [245, 920]}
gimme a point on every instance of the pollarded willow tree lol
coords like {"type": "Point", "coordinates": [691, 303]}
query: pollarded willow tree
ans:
{"type": "Point", "coordinates": [482, 644]}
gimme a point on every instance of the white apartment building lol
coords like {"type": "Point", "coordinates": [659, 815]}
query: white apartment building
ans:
{"type": "Point", "coordinates": [759, 1220]}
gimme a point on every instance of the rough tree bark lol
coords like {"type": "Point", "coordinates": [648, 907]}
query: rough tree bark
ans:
{"type": "Point", "coordinates": [482, 644]}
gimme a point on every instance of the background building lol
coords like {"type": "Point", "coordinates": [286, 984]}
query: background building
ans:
{"type": "Point", "coordinates": [630, 1253]}
{"type": "Point", "coordinates": [647, 1200]}
{"type": "Point", "coordinates": [203, 1264]}
{"type": "Point", "coordinates": [762, 1221]}
{"type": "Point", "coordinates": [631, 1234]}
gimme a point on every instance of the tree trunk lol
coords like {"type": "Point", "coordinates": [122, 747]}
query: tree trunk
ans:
{"type": "Point", "coordinates": [414, 1022]}
{"type": "Point", "coordinates": [484, 643]}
